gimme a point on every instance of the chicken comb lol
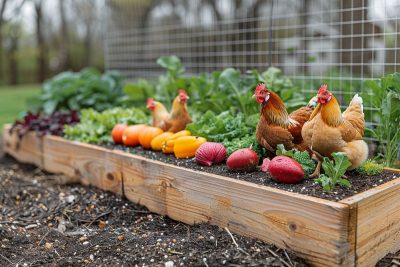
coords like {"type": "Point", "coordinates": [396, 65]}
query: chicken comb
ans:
{"type": "Point", "coordinates": [323, 89]}
{"type": "Point", "coordinates": [182, 92]}
{"type": "Point", "coordinates": [260, 87]}
{"type": "Point", "coordinates": [150, 101]}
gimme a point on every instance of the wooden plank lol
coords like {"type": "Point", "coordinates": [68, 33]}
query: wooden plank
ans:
{"type": "Point", "coordinates": [378, 222]}
{"type": "Point", "coordinates": [92, 165]}
{"type": "Point", "coordinates": [29, 149]}
{"type": "Point", "coordinates": [318, 230]}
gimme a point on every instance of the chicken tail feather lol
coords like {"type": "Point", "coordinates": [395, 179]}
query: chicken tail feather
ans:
{"type": "Point", "coordinates": [313, 102]}
{"type": "Point", "coordinates": [357, 100]}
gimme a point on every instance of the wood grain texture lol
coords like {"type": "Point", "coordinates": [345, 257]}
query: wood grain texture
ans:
{"type": "Point", "coordinates": [29, 149]}
{"type": "Point", "coordinates": [378, 222]}
{"type": "Point", "coordinates": [92, 165]}
{"type": "Point", "coordinates": [316, 229]}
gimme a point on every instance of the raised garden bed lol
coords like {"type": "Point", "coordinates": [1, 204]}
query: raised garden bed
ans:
{"type": "Point", "coordinates": [357, 230]}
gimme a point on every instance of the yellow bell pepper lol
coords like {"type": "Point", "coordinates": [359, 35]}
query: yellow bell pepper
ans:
{"type": "Point", "coordinates": [168, 144]}
{"type": "Point", "coordinates": [158, 141]}
{"type": "Point", "coordinates": [186, 146]}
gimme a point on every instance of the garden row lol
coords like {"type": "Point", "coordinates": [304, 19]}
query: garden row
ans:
{"type": "Point", "coordinates": [358, 230]}
{"type": "Point", "coordinates": [95, 108]}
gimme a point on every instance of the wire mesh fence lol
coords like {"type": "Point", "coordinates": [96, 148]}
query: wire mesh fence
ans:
{"type": "Point", "coordinates": [342, 42]}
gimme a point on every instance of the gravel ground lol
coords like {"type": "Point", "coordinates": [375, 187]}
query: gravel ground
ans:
{"type": "Point", "coordinates": [44, 223]}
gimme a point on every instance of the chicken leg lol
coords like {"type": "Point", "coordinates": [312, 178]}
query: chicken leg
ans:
{"type": "Point", "coordinates": [265, 144]}
{"type": "Point", "coordinates": [317, 170]}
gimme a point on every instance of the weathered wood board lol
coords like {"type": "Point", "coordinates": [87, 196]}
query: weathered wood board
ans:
{"type": "Point", "coordinates": [29, 149]}
{"type": "Point", "coordinates": [93, 165]}
{"type": "Point", "coordinates": [378, 222]}
{"type": "Point", "coordinates": [357, 231]}
{"type": "Point", "coordinates": [312, 227]}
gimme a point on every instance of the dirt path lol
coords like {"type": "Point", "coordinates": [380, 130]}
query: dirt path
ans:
{"type": "Point", "coordinates": [43, 223]}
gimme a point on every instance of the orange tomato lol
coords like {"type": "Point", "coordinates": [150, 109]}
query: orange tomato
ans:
{"type": "Point", "coordinates": [149, 134]}
{"type": "Point", "coordinates": [117, 132]}
{"type": "Point", "coordinates": [130, 136]}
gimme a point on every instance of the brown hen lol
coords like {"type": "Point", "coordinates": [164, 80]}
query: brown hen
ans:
{"type": "Point", "coordinates": [276, 126]}
{"type": "Point", "coordinates": [329, 130]}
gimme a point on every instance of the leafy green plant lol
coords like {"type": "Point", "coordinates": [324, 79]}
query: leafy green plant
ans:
{"type": "Point", "coordinates": [95, 127]}
{"type": "Point", "coordinates": [247, 141]}
{"type": "Point", "coordinates": [219, 127]}
{"type": "Point", "coordinates": [219, 91]}
{"type": "Point", "coordinates": [303, 158]}
{"type": "Point", "coordinates": [137, 93]}
{"type": "Point", "coordinates": [370, 167]}
{"type": "Point", "coordinates": [74, 91]}
{"type": "Point", "coordinates": [384, 96]}
{"type": "Point", "coordinates": [234, 131]}
{"type": "Point", "coordinates": [226, 90]}
{"type": "Point", "coordinates": [334, 171]}
{"type": "Point", "coordinates": [166, 87]}
{"type": "Point", "coordinates": [168, 84]}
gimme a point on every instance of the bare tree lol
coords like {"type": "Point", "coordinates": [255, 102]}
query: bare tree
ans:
{"type": "Point", "coordinates": [13, 36]}
{"type": "Point", "coordinates": [87, 15]}
{"type": "Point", "coordinates": [65, 57]}
{"type": "Point", "coordinates": [41, 43]}
{"type": "Point", "coordinates": [2, 10]}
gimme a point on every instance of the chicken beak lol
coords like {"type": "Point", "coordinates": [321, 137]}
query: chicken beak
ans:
{"type": "Point", "coordinates": [254, 96]}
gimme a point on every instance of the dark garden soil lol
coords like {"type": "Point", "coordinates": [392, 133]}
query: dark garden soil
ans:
{"type": "Point", "coordinates": [45, 223]}
{"type": "Point", "coordinates": [308, 187]}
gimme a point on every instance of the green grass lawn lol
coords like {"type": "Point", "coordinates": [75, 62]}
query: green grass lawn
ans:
{"type": "Point", "coordinates": [13, 101]}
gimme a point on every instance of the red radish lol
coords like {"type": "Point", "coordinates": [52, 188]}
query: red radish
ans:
{"type": "Point", "coordinates": [209, 153]}
{"type": "Point", "coordinates": [244, 159]}
{"type": "Point", "coordinates": [283, 169]}
{"type": "Point", "coordinates": [117, 132]}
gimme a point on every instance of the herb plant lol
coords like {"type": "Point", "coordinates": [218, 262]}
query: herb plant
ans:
{"type": "Point", "coordinates": [370, 167]}
{"type": "Point", "coordinates": [334, 171]}
{"type": "Point", "coordinates": [384, 96]}
{"type": "Point", "coordinates": [303, 158]}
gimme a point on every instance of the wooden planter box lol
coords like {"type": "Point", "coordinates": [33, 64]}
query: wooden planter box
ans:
{"type": "Point", "coordinates": [357, 231]}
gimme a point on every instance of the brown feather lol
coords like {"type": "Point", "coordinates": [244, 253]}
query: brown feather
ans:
{"type": "Point", "coordinates": [276, 126]}
{"type": "Point", "coordinates": [328, 131]}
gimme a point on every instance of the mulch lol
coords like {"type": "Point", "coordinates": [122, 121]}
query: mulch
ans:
{"type": "Point", "coordinates": [45, 223]}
